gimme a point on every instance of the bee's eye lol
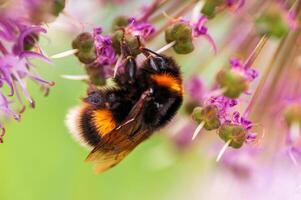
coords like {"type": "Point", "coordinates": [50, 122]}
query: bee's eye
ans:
{"type": "Point", "coordinates": [161, 63]}
{"type": "Point", "coordinates": [94, 98]}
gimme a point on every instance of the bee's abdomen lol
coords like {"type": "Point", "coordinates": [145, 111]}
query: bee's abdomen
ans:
{"type": "Point", "coordinates": [88, 125]}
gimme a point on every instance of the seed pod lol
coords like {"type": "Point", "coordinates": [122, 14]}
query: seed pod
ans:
{"type": "Point", "coordinates": [233, 82]}
{"type": "Point", "coordinates": [96, 74]}
{"type": "Point", "coordinates": [130, 40]}
{"type": "Point", "coordinates": [235, 133]}
{"type": "Point", "coordinates": [119, 22]}
{"type": "Point", "coordinates": [190, 106]}
{"type": "Point", "coordinates": [292, 114]}
{"type": "Point", "coordinates": [272, 23]}
{"type": "Point", "coordinates": [84, 43]}
{"type": "Point", "coordinates": [210, 7]}
{"type": "Point", "coordinates": [57, 7]}
{"type": "Point", "coordinates": [182, 34]}
{"type": "Point", "coordinates": [208, 115]}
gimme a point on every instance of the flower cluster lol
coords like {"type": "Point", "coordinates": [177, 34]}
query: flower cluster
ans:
{"type": "Point", "coordinates": [217, 111]}
{"type": "Point", "coordinates": [184, 32]}
{"type": "Point", "coordinates": [102, 54]}
{"type": "Point", "coordinates": [19, 35]}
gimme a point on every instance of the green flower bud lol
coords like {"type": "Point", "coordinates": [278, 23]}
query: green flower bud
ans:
{"type": "Point", "coordinates": [272, 23]}
{"type": "Point", "coordinates": [119, 22]}
{"type": "Point", "coordinates": [130, 40]}
{"type": "Point", "coordinates": [84, 43]}
{"type": "Point", "coordinates": [30, 41]}
{"type": "Point", "coordinates": [190, 106]}
{"type": "Point", "coordinates": [210, 7]}
{"type": "Point", "coordinates": [233, 82]}
{"type": "Point", "coordinates": [235, 133]}
{"type": "Point", "coordinates": [58, 6]}
{"type": "Point", "coordinates": [182, 34]}
{"type": "Point", "coordinates": [197, 114]}
{"type": "Point", "coordinates": [96, 74]}
{"type": "Point", "coordinates": [208, 115]}
{"type": "Point", "coordinates": [292, 114]}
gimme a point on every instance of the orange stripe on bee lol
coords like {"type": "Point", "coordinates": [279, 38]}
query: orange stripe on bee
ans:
{"type": "Point", "coordinates": [169, 81]}
{"type": "Point", "coordinates": [103, 121]}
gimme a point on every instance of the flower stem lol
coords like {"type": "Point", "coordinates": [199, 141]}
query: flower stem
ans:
{"type": "Point", "coordinates": [167, 46]}
{"type": "Point", "coordinates": [151, 9]}
{"type": "Point", "coordinates": [249, 62]}
{"type": "Point", "coordinates": [198, 129]}
{"type": "Point", "coordinates": [263, 80]}
{"type": "Point", "coordinates": [65, 54]}
{"type": "Point", "coordinates": [222, 151]}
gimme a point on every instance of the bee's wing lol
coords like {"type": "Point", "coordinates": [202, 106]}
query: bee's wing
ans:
{"type": "Point", "coordinates": [117, 144]}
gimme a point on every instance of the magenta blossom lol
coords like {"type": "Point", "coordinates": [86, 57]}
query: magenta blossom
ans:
{"type": "Point", "coordinates": [223, 104]}
{"type": "Point", "coordinates": [105, 52]}
{"type": "Point", "coordinates": [142, 29]}
{"type": "Point", "coordinates": [15, 65]}
{"type": "Point", "coordinates": [200, 30]}
{"type": "Point", "coordinates": [249, 73]}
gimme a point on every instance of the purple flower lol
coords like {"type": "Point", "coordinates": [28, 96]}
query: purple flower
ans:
{"type": "Point", "coordinates": [239, 120]}
{"type": "Point", "coordinates": [223, 104]}
{"type": "Point", "coordinates": [199, 29]}
{"type": "Point", "coordinates": [15, 65]}
{"type": "Point", "coordinates": [142, 29]}
{"type": "Point", "coordinates": [249, 73]}
{"type": "Point", "coordinates": [105, 52]}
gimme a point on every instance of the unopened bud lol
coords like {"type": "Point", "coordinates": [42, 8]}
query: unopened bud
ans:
{"type": "Point", "coordinates": [233, 82]}
{"type": "Point", "coordinates": [84, 43]}
{"type": "Point", "coordinates": [182, 34]}
{"type": "Point", "coordinates": [208, 115]}
{"type": "Point", "coordinates": [130, 40]}
{"type": "Point", "coordinates": [210, 8]}
{"type": "Point", "coordinates": [234, 133]}
{"type": "Point", "coordinates": [272, 23]}
{"type": "Point", "coordinates": [119, 22]}
{"type": "Point", "coordinates": [57, 7]}
{"type": "Point", "coordinates": [96, 74]}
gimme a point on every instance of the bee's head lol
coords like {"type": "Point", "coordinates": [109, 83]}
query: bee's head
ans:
{"type": "Point", "coordinates": [164, 64]}
{"type": "Point", "coordinates": [159, 63]}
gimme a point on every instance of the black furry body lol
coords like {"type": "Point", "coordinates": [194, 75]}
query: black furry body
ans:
{"type": "Point", "coordinates": [158, 109]}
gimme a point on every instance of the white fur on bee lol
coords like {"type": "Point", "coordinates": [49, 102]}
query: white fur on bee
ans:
{"type": "Point", "coordinates": [73, 123]}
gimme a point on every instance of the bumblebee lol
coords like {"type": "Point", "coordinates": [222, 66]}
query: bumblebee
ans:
{"type": "Point", "coordinates": [113, 121]}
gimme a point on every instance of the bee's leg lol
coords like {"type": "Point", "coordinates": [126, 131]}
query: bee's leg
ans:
{"type": "Point", "coordinates": [147, 52]}
{"type": "Point", "coordinates": [130, 67]}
